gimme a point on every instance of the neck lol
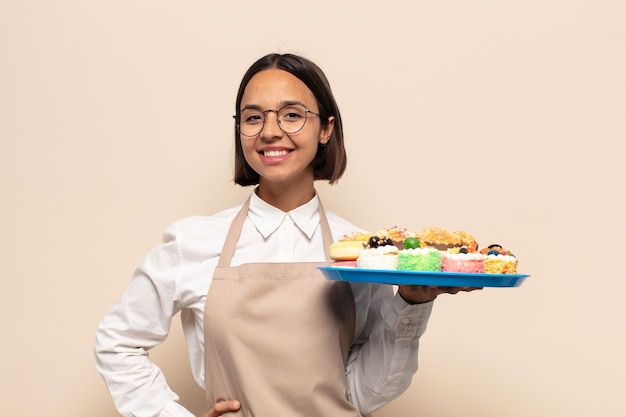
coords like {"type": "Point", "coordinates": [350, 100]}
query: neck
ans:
{"type": "Point", "coordinates": [284, 196]}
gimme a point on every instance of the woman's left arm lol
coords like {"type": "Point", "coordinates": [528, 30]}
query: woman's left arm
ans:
{"type": "Point", "coordinates": [383, 358]}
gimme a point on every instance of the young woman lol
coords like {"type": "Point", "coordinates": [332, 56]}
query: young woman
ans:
{"type": "Point", "coordinates": [267, 335]}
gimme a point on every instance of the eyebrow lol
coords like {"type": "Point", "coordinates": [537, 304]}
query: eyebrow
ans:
{"type": "Point", "coordinates": [280, 105]}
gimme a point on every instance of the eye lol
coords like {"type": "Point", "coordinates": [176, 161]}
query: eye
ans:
{"type": "Point", "coordinates": [251, 117]}
{"type": "Point", "coordinates": [290, 114]}
{"type": "Point", "coordinates": [254, 118]}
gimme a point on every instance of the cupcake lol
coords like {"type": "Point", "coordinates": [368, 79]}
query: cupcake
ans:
{"type": "Point", "coordinates": [419, 259]}
{"type": "Point", "coordinates": [499, 260]}
{"type": "Point", "coordinates": [378, 254]}
{"type": "Point", "coordinates": [463, 261]}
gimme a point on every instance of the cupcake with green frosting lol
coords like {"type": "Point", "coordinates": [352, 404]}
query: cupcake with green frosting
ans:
{"type": "Point", "coordinates": [419, 259]}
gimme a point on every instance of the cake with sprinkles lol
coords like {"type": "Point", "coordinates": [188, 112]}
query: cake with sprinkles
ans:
{"type": "Point", "coordinates": [499, 260]}
{"type": "Point", "coordinates": [419, 259]}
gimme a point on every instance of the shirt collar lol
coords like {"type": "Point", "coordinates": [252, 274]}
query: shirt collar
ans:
{"type": "Point", "coordinates": [267, 218]}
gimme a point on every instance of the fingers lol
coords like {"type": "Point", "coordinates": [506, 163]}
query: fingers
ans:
{"type": "Point", "coordinates": [420, 294]}
{"type": "Point", "coordinates": [222, 407]}
{"type": "Point", "coordinates": [456, 289]}
{"type": "Point", "coordinates": [467, 289]}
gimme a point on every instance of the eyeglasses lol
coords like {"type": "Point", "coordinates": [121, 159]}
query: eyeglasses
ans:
{"type": "Point", "coordinates": [291, 118]}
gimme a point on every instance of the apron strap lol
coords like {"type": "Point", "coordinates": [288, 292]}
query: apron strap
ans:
{"type": "Point", "coordinates": [327, 236]}
{"type": "Point", "coordinates": [233, 236]}
{"type": "Point", "coordinates": [237, 225]}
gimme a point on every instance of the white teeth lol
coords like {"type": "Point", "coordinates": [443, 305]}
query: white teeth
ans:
{"type": "Point", "coordinates": [275, 153]}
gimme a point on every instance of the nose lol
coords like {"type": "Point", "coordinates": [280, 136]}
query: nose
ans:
{"type": "Point", "coordinates": [271, 127]}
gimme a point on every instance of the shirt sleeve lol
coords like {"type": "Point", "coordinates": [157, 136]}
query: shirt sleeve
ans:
{"type": "Point", "coordinates": [383, 359]}
{"type": "Point", "coordinates": [139, 321]}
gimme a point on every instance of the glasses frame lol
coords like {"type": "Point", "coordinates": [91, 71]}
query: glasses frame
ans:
{"type": "Point", "coordinates": [264, 112]}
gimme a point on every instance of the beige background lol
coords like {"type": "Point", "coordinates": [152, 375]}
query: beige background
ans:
{"type": "Point", "coordinates": [502, 118]}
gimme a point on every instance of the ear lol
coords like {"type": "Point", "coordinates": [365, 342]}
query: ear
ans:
{"type": "Point", "coordinates": [327, 130]}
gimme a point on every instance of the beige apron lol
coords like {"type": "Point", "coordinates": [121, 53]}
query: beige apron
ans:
{"type": "Point", "coordinates": [277, 335]}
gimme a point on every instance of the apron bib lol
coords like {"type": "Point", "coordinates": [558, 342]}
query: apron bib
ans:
{"type": "Point", "coordinates": [277, 335]}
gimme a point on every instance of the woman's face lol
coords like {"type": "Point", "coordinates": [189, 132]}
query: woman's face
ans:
{"type": "Point", "coordinates": [275, 155]}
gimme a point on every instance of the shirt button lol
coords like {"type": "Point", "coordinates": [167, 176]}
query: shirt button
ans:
{"type": "Point", "coordinates": [406, 320]}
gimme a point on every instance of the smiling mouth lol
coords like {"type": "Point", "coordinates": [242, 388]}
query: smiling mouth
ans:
{"type": "Point", "coordinates": [271, 154]}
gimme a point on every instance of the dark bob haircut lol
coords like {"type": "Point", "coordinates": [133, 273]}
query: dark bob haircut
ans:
{"type": "Point", "coordinates": [330, 160]}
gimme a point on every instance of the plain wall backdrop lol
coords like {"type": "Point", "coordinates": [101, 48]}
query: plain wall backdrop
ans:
{"type": "Point", "coordinates": [505, 119]}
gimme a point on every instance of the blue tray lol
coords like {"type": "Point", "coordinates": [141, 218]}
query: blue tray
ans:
{"type": "Point", "coordinates": [443, 279]}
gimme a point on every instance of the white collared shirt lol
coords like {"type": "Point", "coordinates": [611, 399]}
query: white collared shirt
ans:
{"type": "Point", "coordinates": [175, 277]}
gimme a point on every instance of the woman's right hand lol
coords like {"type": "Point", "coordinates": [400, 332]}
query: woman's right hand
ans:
{"type": "Point", "coordinates": [222, 407]}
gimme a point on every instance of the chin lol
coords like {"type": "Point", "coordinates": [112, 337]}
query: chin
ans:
{"type": "Point", "coordinates": [287, 178]}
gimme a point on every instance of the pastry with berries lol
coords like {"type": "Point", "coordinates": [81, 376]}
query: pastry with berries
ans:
{"type": "Point", "coordinates": [378, 254]}
{"type": "Point", "coordinates": [499, 260]}
{"type": "Point", "coordinates": [396, 234]}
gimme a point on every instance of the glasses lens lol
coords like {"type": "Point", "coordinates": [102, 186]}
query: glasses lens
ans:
{"type": "Point", "coordinates": [292, 118]}
{"type": "Point", "coordinates": [251, 122]}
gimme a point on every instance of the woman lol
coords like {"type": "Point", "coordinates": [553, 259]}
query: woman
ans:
{"type": "Point", "coordinates": [267, 335]}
